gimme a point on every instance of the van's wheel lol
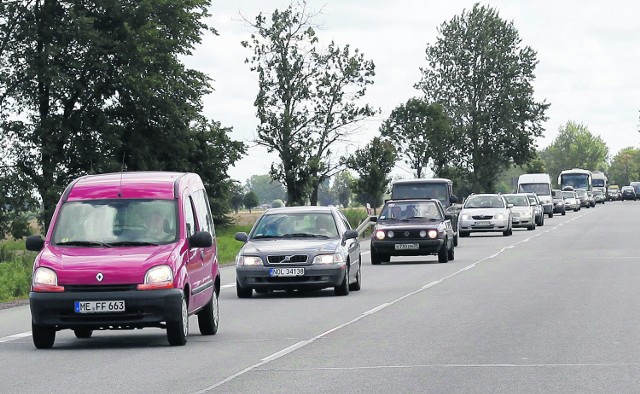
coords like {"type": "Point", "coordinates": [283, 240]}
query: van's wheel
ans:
{"type": "Point", "coordinates": [443, 253]}
{"type": "Point", "coordinates": [178, 330]}
{"type": "Point", "coordinates": [83, 333]}
{"type": "Point", "coordinates": [243, 292]}
{"type": "Point", "coordinates": [43, 336]}
{"type": "Point", "coordinates": [358, 283]}
{"type": "Point", "coordinates": [343, 288]}
{"type": "Point", "coordinates": [209, 316]}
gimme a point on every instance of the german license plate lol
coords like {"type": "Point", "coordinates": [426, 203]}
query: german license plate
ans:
{"type": "Point", "coordinates": [286, 272]}
{"type": "Point", "coordinates": [98, 306]}
{"type": "Point", "coordinates": [406, 246]}
{"type": "Point", "coordinates": [484, 223]}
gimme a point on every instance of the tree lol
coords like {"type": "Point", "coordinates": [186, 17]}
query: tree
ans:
{"type": "Point", "coordinates": [250, 200]}
{"type": "Point", "coordinates": [237, 197]}
{"type": "Point", "coordinates": [101, 88]}
{"type": "Point", "coordinates": [266, 188]}
{"type": "Point", "coordinates": [575, 147]}
{"type": "Point", "coordinates": [373, 163]}
{"type": "Point", "coordinates": [625, 167]}
{"type": "Point", "coordinates": [421, 133]}
{"type": "Point", "coordinates": [341, 187]}
{"type": "Point", "coordinates": [306, 101]}
{"type": "Point", "coordinates": [483, 77]}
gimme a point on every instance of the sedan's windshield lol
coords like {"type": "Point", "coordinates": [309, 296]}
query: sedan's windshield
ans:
{"type": "Point", "coordinates": [119, 222]}
{"type": "Point", "coordinates": [568, 195]}
{"type": "Point", "coordinates": [296, 225]}
{"type": "Point", "coordinates": [516, 200]}
{"type": "Point", "coordinates": [484, 202]}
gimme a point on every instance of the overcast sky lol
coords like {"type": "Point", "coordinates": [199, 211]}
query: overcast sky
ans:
{"type": "Point", "coordinates": [588, 52]}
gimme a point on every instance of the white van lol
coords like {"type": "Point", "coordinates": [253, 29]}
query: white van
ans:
{"type": "Point", "coordinates": [539, 184]}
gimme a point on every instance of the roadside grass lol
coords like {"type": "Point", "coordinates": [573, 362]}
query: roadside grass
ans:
{"type": "Point", "coordinates": [15, 270]}
{"type": "Point", "coordinates": [228, 247]}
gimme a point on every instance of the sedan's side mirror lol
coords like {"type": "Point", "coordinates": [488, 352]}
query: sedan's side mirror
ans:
{"type": "Point", "coordinates": [453, 199]}
{"type": "Point", "coordinates": [509, 205]}
{"type": "Point", "coordinates": [201, 239]}
{"type": "Point", "coordinates": [34, 243]}
{"type": "Point", "coordinates": [448, 216]}
{"type": "Point", "coordinates": [349, 234]}
{"type": "Point", "coordinates": [241, 236]}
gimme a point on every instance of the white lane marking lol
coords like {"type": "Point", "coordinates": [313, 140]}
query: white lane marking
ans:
{"type": "Point", "coordinates": [228, 286]}
{"type": "Point", "coordinates": [15, 336]}
{"type": "Point", "coordinates": [302, 344]}
{"type": "Point", "coordinates": [541, 365]}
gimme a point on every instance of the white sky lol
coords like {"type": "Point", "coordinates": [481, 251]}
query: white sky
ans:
{"type": "Point", "coordinates": [588, 52]}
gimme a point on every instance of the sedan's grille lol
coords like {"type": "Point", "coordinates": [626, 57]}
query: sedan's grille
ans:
{"type": "Point", "coordinates": [482, 217]}
{"type": "Point", "coordinates": [287, 259]}
{"type": "Point", "coordinates": [97, 288]}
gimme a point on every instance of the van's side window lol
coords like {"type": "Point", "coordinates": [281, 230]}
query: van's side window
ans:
{"type": "Point", "coordinates": [189, 218]}
{"type": "Point", "coordinates": [202, 212]}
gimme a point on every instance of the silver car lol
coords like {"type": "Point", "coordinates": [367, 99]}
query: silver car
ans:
{"type": "Point", "coordinates": [522, 212]}
{"type": "Point", "coordinates": [485, 213]}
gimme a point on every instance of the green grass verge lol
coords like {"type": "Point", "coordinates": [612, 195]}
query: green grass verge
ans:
{"type": "Point", "coordinates": [15, 270]}
{"type": "Point", "coordinates": [228, 247]}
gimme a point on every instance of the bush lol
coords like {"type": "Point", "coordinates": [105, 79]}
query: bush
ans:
{"type": "Point", "coordinates": [277, 203]}
{"type": "Point", "coordinates": [15, 273]}
{"type": "Point", "coordinates": [355, 216]}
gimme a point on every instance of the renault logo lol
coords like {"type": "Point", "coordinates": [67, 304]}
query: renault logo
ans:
{"type": "Point", "coordinates": [99, 276]}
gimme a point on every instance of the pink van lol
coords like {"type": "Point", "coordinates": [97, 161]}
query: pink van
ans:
{"type": "Point", "coordinates": [127, 250]}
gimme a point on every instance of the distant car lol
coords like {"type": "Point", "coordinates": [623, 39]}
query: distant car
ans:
{"type": "Point", "coordinates": [584, 198]}
{"type": "Point", "coordinates": [571, 200]}
{"type": "Point", "coordinates": [537, 208]}
{"type": "Point", "coordinates": [613, 193]}
{"type": "Point", "coordinates": [293, 248]}
{"type": "Point", "coordinates": [592, 198]}
{"type": "Point", "coordinates": [558, 202]}
{"type": "Point", "coordinates": [416, 227]}
{"type": "Point", "coordinates": [522, 212]}
{"type": "Point", "coordinates": [485, 213]}
{"type": "Point", "coordinates": [628, 193]}
{"type": "Point", "coordinates": [600, 196]}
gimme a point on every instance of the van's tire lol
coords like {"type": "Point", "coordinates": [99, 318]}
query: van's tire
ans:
{"type": "Point", "coordinates": [43, 336]}
{"type": "Point", "coordinates": [177, 331]}
{"type": "Point", "coordinates": [443, 253]}
{"type": "Point", "coordinates": [343, 288]}
{"type": "Point", "coordinates": [83, 333]}
{"type": "Point", "coordinates": [243, 292]}
{"type": "Point", "coordinates": [209, 316]}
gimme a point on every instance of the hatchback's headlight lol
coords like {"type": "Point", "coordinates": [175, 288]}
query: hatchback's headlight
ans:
{"type": "Point", "coordinates": [248, 260]}
{"type": "Point", "coordinates": [380, 235]}
{"type": "Point", "coordinates": [159, 277]}
{"type": "Point", "coordinates": [433, 234]}
{"type": "Point", "coordinates": [335, 258]}
{"type": "Point", "coordinates": [46, 280]}
{"type": "Point", "coordinates": [499, 216]}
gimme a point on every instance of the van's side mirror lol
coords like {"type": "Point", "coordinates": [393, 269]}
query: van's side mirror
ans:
{"type": "Point", "coordinates": [34, 243]}
{"type": "Point", "coordinates": [201, 239]}
{"type": "Point", "coordinates": [242, 236]}
{"type": "Point", "coordinates": [453, 199]}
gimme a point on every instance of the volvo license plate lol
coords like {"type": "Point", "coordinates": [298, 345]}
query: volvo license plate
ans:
{"type": "Point", "coordinates": [286, 271]}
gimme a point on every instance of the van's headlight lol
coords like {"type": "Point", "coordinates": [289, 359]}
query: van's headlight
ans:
{"type": "Point", "coordinates": [45, 280]}
{"type": "Point", "coordinates": [335, 258]}
{"type": "Point", "coordinates": [159, 277]}
{"type": "Point", "coordinates": [248, 260]}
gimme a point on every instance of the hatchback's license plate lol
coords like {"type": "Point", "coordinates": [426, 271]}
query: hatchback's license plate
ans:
{"type": "Point", "coordinates": [286, 272]}
{"type": "Point", "coordinates": [483, 223]}
{"type": "Point", "coordinates": [98, 306]}
{"type": "Point", "coordinates": [406, 246]}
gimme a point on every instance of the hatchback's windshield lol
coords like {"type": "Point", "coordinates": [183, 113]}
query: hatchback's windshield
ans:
{"type": "Point", "coordinates": [116, 222]}
{"type": "Point", "coordinates": [568, 195]}
{"type": "Point", "coordinates": [517, 201]}
{"type": "Point", "coordinates": [581, 193]}
{"type": "Point", "coordinates": [484, 202]}
{"type": "Point", "coordinates": [296, 225]}
{"type": "Point", "coordinates": [411, 210]}
{"type": "Point", "coordinates": [436, 190]}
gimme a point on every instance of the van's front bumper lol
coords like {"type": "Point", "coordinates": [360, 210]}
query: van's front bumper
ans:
{"type": "Point", "coordinates": [148, 308]}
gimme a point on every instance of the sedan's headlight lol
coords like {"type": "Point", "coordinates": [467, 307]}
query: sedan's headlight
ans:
{"type": "Point", "coordinates": [335, 258]}
{"type": "Point", "coordinates": [248, 260]}
{"type": "Point", "coordinates": [525, 214]}
{"type": "Point", "coordinates": [499, 216]}
{"type": "Point", "coordinates": [159, 277]}
{"type": "Point", "coordinates": [46, 280]}
{"type": "Point", "coordinates": [465, 216]}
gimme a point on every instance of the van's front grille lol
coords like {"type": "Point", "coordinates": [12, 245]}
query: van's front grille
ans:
{"type": "Point", "coordinates": [97, 288]}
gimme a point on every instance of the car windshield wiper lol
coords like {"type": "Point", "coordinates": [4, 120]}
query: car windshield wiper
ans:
{"type": "Point", "coordinates": [304, 235]}
{"type": "Point", "coordinates": [84, 243]}
{"type": "Point", "coordinates": [266, 236]}
{"type": "Point", "coordinates": [133, 243]}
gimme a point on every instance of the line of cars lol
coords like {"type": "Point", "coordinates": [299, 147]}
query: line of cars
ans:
{"type": "Point", "coordinates": [628, 192]}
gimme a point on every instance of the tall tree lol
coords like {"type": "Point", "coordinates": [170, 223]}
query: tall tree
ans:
{"type": "Point", "coordinates": [625, 167]}
{"type": "Point", "coordinates": [575, 147]}
{"type": "Point", "coordinates": [100, 87]}
{"type": "Point", "coordinates": [421, 133]}
{"type": "Point", "coordinates": [250, 200]}
{"type": "Point", "coordinates": [483, 76]}
{"type": "Point", "coordinates": [266, 188]}
{"type": "Point", "coordinates": [373, 163]}
{"type": "Point", "coordinates": [341, 187]}
{"type": "Point", "coordinates": [307, 98]}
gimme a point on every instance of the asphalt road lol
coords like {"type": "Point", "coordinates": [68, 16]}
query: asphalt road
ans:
{"type": "Point", "coordinates": [551, 310]}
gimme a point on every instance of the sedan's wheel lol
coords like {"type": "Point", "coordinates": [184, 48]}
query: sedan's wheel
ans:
{"type": "Point", "coordinates": [358, 283]}
{"type": "Point", "coordinates": [209, 316]}
{"type": "Point", "coordinates": [532, 227]}
{"type": "Point", "coordinates": [443, 253]}
{"type": "Point", "coordinates": [464, 234]}
{"type": "Point", "coordinates": [343, 288]}
{"type": "Point", "coordinates": [551, 214]}
{"type": "Point", "coordinates": [564, 213]}
{"type": "Point", "coordinates": [451, 254]}
{"type": "Point", "coordinates": [243, 292]}
{"type": "Point", "coordinates": [83, 333]}
{"type": "Point", "coordinates": [43, 336]}
{"type": "Point", "coordinates": [177, 331]}
{"type": "Point", "coordinates": [375, 258]}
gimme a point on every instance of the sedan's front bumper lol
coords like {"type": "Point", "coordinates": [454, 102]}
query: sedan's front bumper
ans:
{"type": "Point", "coordinates": [491, 225]}
{"type": "Point", "coordinates": [315, 277]}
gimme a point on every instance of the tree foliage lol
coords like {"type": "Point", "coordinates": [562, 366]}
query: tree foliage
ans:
{"type": "Point", "coordinates": [373, 164]}
{"type": "Point", "coordinates": [250, 200]}
{"type": "Point", "coordinates": [575, 147]}
{"type": "Point", "coordinates": [100, 88]}
{"type": "Point", "coordinates": [341, 187]}
{"type": "Point", "coordinates": [625, 167]}
{"type": "Point", "coordinates": [421, 133]}
{"type": "Point", "coordinates": [307, 99]}
{"type": "Point", "coordinates": [483, 77]}
{"type": "Point", "coordinates": [266, 188]}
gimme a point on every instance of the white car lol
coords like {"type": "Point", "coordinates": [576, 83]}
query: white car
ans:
{"type": "Point", "coordinates": [522, 211]}
{"type": "Point", "coordinates": [485, 213]}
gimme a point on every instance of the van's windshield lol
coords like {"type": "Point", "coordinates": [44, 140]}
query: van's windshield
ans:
{"type": "Point", "coordinates": [541, 189]}
{"type": "Point", "coordinates": [119, 222]}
